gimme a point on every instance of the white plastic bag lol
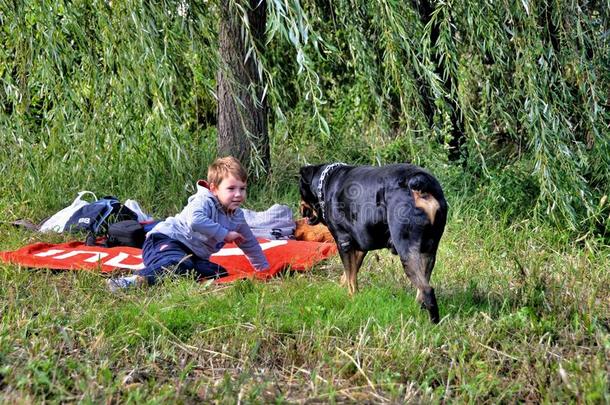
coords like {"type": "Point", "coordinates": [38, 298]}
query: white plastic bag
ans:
{"type": "Point", "coordinates": [135, 207]}
{"type": "Point", "coordinates": [58, 221]}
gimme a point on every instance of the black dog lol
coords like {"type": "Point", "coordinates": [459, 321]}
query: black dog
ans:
{"type": "Point", "coordinates": [399, 206]}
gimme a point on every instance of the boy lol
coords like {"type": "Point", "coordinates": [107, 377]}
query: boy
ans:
{"type": "Point", "coordinates": [211, 218]}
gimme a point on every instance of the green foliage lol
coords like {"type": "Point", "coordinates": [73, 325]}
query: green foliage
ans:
{"type": "Point", "coordinates": [115, 97]}
{"type": "Point", "coordinates": [118, 97]}
{"type": "Point", "coordinates": [522, 84]}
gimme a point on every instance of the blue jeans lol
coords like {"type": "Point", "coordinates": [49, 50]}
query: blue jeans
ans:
{"type": "Point", "coordinates": [161, 253]}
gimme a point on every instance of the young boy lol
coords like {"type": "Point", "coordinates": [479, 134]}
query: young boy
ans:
{"type": "Point", "coordinates": [211, 218]}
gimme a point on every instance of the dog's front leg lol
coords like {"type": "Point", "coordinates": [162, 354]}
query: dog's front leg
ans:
{"type": "Point", "coordinates": [343, 281]}
{"type": "Point", "coordinates": [352, 260]}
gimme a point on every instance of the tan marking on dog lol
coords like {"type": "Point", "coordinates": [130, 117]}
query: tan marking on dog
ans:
{"type": "Point", "coordinates": [304, 206]}
{"type": "Point", "coordinates": [352, 261]}
{"type": "Point", "coordinates": [427, 203]}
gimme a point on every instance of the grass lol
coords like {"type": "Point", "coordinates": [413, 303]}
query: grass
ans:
{"type": "Point", "coordinates": [525, 319]}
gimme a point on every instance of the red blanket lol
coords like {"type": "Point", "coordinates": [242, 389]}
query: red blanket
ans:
{"type": "Point", "coordinates": [281, 254]}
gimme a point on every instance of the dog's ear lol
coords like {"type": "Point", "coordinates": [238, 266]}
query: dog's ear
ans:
{"type": "Point", "coordinates": [307, 173]}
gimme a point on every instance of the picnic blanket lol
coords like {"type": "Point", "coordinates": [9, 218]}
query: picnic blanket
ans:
{"type": "Point", "coordinates": [281, 254]}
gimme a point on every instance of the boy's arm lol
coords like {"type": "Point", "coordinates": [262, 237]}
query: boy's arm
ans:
{"type": "Point", "coordinates": [252, 248]}
{"type": "Point", "coordinates": [201, 222]}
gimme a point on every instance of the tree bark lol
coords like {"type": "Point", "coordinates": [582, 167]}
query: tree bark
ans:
{"type": "Point", "coordinates": [242, 109]}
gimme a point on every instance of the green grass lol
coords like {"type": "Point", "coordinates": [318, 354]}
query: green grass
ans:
{"type": "Point", "coordinates": [524, 318]}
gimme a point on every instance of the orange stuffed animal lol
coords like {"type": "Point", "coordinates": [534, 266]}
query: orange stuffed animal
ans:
{"type": "Point", "coordinates": [312, 233]}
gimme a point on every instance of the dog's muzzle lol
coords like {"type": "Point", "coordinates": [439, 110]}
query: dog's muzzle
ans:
{"type": "Point", "coordinates": [307, 211]}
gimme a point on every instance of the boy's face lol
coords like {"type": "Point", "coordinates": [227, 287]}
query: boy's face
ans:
{"type": "Point", "coordinates": [231, 192]}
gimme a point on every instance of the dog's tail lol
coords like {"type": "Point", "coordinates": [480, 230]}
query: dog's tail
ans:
{"type": "Point", "coordinates": [421, 188]}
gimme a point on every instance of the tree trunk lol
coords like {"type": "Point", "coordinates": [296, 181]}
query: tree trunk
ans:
{"type": "Point", "coordinates": [242, 109]}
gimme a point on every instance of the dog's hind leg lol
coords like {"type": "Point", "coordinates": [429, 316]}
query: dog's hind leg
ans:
{"type": "Point", "coordinates": [428, 260]}
{"type": "Point", "coordinates": [418, 268]}
{"type": "Point", "coordinates": [352, 261]}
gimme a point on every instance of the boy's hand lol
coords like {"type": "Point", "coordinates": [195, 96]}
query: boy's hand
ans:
{"type": "Point", "coordinates": [233, 236]}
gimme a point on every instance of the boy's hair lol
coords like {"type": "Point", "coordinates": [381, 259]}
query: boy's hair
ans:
{"type": "Point", "coordinates": [221, 168]}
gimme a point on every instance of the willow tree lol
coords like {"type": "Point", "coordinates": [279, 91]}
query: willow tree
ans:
{"type": "Point", "coordinates": [517, 90]}
{"type": "Point", "coordinates": [242, 105]}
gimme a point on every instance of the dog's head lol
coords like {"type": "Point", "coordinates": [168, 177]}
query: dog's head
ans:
{"type": "Point", "coordinates": [310, 205]}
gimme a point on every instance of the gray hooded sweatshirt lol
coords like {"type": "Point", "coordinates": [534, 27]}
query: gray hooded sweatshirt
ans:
{"type": "Point", "coordinates": [203, 225]}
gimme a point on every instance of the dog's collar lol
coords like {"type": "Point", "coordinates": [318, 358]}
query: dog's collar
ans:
{"type": "Point", "coordinates": [320, 189]}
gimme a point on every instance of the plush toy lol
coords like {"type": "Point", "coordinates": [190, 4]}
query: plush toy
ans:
{"type": "Point", "coordinates": [312, 233]}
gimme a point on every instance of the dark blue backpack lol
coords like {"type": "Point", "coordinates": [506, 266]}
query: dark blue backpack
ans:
{"type": "Point", "coordinates": [95, 218]}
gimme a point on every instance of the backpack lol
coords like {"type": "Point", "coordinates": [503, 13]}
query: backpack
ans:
{"type": "Point", "coordinates": [126, 233]}
{"type": "Point", "coordinates": [95, 218]}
